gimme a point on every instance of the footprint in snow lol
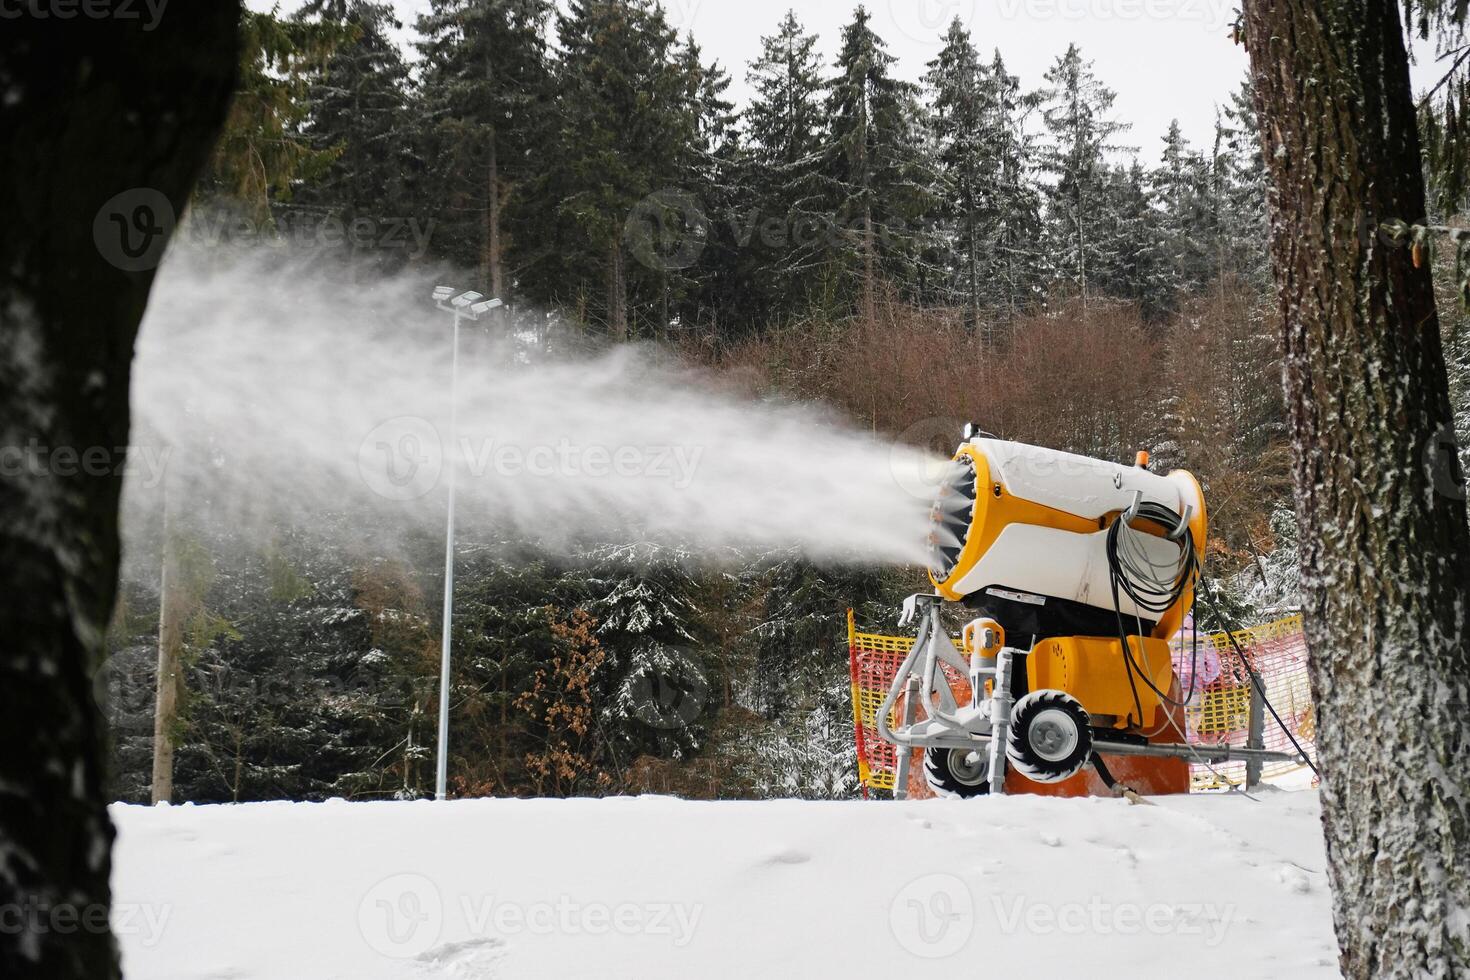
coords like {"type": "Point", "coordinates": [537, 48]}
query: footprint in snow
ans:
{"type": "Point", "coordinates": [1051, 840]}
{"type": "Point", "coordinates": [471, 958]}
{"type": "Point", "coordinates": [789, 856]}
{"type": "Point", "coordinates": [1294, 878]}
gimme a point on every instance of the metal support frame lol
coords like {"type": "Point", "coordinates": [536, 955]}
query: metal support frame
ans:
{"type": "Point", "coordinates": [1256, 733]}
{"type": "Point", "coordinates": [920, 680]}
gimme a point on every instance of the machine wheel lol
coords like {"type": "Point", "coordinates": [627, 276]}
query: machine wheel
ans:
{"type": "Point", "coordinates": [952, 772]}
{"type": "Point", "coordinates": [1049, 738]}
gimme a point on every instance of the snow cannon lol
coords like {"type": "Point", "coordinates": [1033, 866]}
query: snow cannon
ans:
{"type": "Point", "coordinates": [1028, 537]}
{"type": "Point", "coordinates": [1075, 575]}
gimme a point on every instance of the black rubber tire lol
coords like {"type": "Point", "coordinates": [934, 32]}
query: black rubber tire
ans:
{"type": "Point", "coordinates": [1050, 738]}
{"type": "Point", "coordinates": [947, 777]}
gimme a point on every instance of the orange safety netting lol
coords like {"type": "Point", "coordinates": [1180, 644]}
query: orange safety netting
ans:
{"type": "Point", "coordinates": [1215, 682]}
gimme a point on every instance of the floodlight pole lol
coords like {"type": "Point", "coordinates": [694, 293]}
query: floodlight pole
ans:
{"type": "Point", "coordinates": [463, 306]}
{"type": "Point", "coordinates": [441, 776]}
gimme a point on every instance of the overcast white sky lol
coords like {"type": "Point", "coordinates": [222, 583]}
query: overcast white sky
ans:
{"type": "Point", "coordinates": [1166, 59]}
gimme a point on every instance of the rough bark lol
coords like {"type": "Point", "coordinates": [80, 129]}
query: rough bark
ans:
{"type": "Point", "coordinates": [89, 109]}
{"type": "Point", "coordinates": [617, 292]}
{"type": "Point", "coordinates": [170, 654]}
{"type": "Point", "coordinates": [1385, 546]}
{"type": "Point", "coordinates": [494, 263]}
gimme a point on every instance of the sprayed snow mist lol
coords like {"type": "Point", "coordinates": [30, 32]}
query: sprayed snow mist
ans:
{"type": "Point", "coordinates": [265, 392]}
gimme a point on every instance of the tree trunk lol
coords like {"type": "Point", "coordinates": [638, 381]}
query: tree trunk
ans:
{"type": "Point", "coordinates": [870, 303]}
{"type": "Point", "coordinates": [90, 109]}
{"type": "Point", "coordinates": [171, 603]}
{"type": "Point", "coordinates": [493, 266]}
{"type": "Point", "coordinates": [617, 292]}
{"type": "Point", "coordinates": [1385, 546]}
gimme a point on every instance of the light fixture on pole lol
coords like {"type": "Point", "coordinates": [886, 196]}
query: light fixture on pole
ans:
{"type": "Point", "coordinates": [471, 306]}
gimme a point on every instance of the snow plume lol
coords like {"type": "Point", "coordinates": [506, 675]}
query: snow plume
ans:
{"type": "Point", "coordinates": [266, 392]}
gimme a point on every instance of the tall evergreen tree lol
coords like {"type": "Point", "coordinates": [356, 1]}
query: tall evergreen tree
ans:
{"type": "Point", "coordinates": [785, 132]}
{"type": "Point", "coordinates": [485, 89]}
{"type": "Point", "coordinates": [878, 177]}
{"type": "Point", "coordinates": [1014, 246]}
{"type": "Point", "coordinates": [625, 119]}
{"type": "Point", "coordinates": [261, 155]}
{"type": "Point", "coordinates": [1125, 227]}
{"type": "Point", "coordinates": [1181, 192]}
{"type": "Point", "coordinates": [358, 110]}
{"type": "Point", "coordinates": [1241, 190]}
{"type": "Point", "coordinates": [1082, 131]}
{"type": "Point", "coordinates": [966, 144]}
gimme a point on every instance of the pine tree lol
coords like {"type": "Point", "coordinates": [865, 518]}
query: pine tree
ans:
{"type": "Point", "coordinates": [262, 155]}
{"type": "Point", "coordinates": [1077, 117]}
{"type": "Point", "coordinates": [1125, 229]}
{"type": "Point", "coordinates": [1241, 191]}
{"type": "Point", "coordinates": [962, 120]}
{"type": "Point", "coordinates": [1014, 245]}
{"type": "Point", "coordinates": [626, 114]}
{"type": "Point", "coordinates": [878, 178]}
{"type": "Point", "coordinates": [1181, 186]}
{"type": "Point", "coordinates": [485, 90]}
{"type": "Point", "coordinates": [705, 283]}
{"type": "Point", "coordinates": [785, 134]}
{"type": "Point", "coordinates": [359, 112]}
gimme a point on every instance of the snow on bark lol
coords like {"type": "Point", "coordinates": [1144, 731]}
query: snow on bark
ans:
{"type": "Point", "coordinates": [1385, 549]}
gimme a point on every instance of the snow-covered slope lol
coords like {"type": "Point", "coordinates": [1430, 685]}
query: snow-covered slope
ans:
{"type": "Point", "coordinates": [1202, 886]}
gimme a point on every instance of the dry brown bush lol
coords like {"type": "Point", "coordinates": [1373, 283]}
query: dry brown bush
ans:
{"type": "Point", "coordinates": [1201, 391]}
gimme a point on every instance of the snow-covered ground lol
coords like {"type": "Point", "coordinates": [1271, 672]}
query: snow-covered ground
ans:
{"type": "Point", "coordinates": [1200, 886]}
